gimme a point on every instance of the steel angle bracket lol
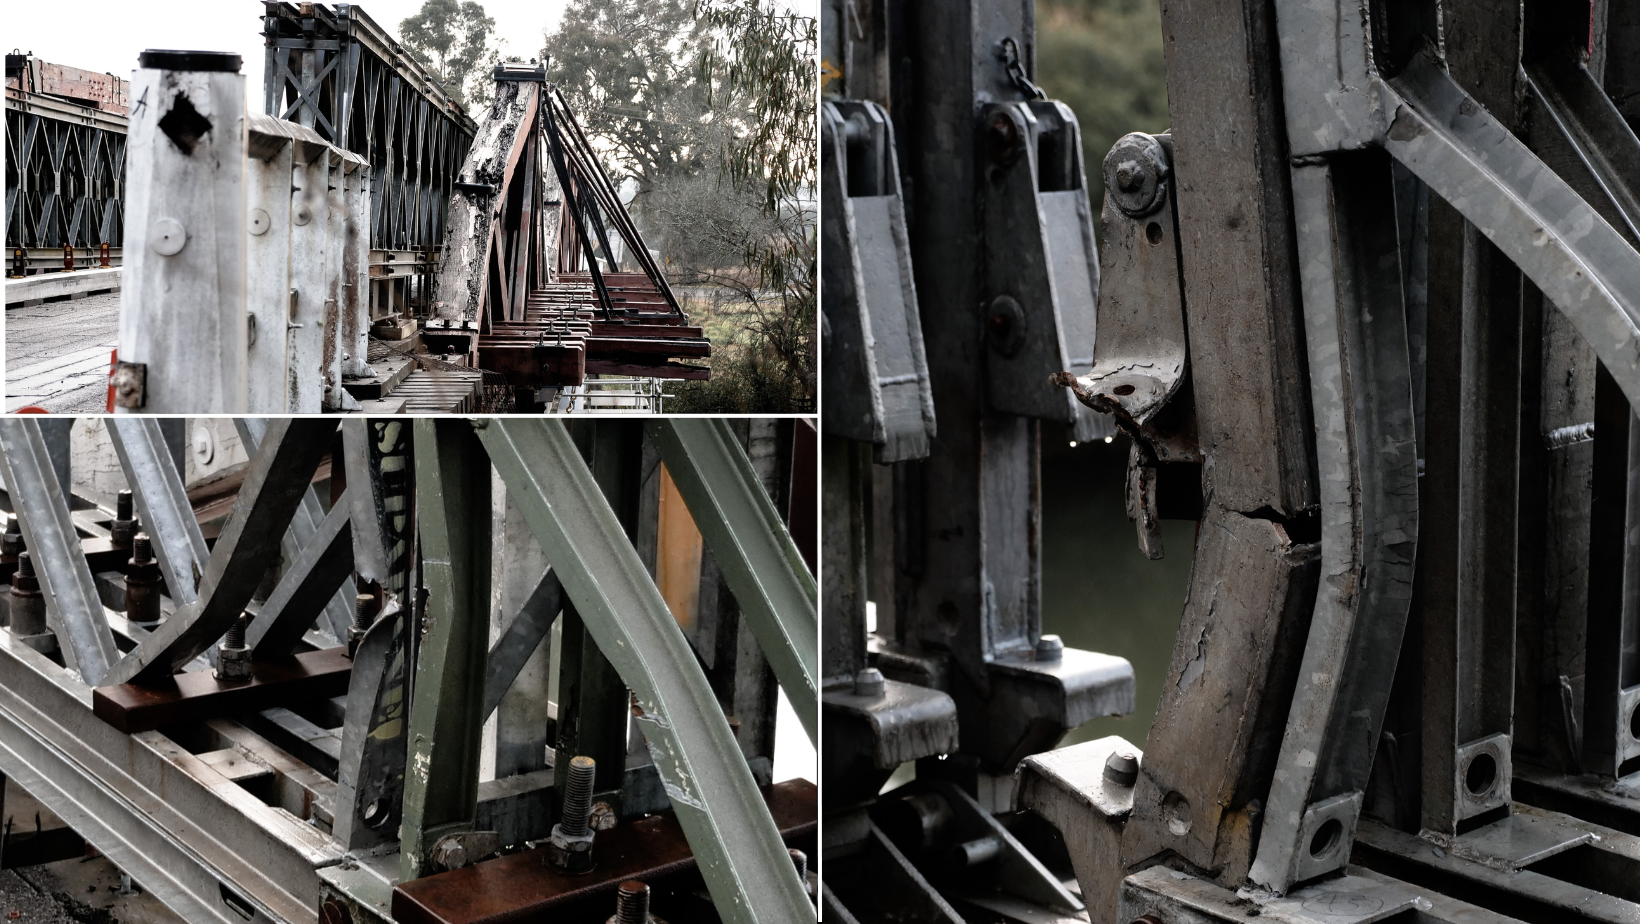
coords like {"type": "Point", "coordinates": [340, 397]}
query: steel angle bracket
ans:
{"type": "Point", "coordinates": [370, 773]}
{"type": "Point", "coordinates": [734, 839]}
{"type": "Point", "coordinates": [1041, 262]}
{"type": "Point", "coordinates": [743, 529]}
{"type": "Point", "coordinates": [1141, 356]}
{"type": "Point", "coordinates": [873, 332]}
{"type": "Point", "coordinates": [72, 605]}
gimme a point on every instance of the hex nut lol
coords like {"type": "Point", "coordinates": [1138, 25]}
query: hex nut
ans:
{"type": "Point", "coordinates": [1136, 172]}
{"type": "Point", "coordinates": [602, 817]}
{"type": "Point", "coordinates": [869, 682]}
{"type": "Point", "coordinates": [233, 665]}
{"type": "Point", "coordinates": [570, 854]}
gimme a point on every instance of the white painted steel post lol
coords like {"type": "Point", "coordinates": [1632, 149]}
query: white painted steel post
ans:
{"type": "Point", "coordinates": [267, 271]}
{"type": "Point", "coordinates": [182, 302]}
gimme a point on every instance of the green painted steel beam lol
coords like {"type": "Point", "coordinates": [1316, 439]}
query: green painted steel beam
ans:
{"type": "Point", "coordinates": [717, 802]}
{"type": "Point", "coordinates": [446, 724]}
{"type": "Point", "coordinates": [743, 529]}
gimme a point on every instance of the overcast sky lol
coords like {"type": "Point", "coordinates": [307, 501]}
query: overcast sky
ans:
{"type": "Point", "coordinates": [107, 35]}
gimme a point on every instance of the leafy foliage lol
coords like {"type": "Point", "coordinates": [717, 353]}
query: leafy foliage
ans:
{"type": "Point", "coordinates": [1104, 59]}
{"type": "Point", "coordinates": [452, 40]}
{"type": "Point", "coordinates": [629, 70]}
{"type": "Point", "coordinates": [710, 105]}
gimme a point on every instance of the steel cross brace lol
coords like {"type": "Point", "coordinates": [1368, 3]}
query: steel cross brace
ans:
{"type": "Point", "coordinates": [278, 477]}
{"type": "Point", "coordinates": [743, 529]}
{"type": "Point", "coordinates": [712, 790]}
{"type": "Point", "coordinates": [54, 546]}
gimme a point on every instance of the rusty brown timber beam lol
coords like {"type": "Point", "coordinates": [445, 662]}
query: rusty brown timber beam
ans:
{"type": "Point", "coordinates": [194, 696]}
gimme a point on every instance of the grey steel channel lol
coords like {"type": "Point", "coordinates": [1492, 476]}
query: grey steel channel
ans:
{"type": "Point", "coordinates": [734, 839]}
{"type": "Point", "coordinates": [760, 561]}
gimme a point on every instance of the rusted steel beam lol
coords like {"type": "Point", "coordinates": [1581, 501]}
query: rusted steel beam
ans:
{"type": "Point", "coordinates": [527, 887]}
{"type": "Point", "coordinates": [534, 364]}
{"type": "Point", "coordinates": [195, 696]}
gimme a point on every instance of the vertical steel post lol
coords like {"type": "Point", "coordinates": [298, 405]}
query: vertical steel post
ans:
{"type": "Point", "coordinates": [441, 776]}
{"type": "Point", "coordinates": [267, 260]}
{"type": "Point", "coordinates": [593, 703]}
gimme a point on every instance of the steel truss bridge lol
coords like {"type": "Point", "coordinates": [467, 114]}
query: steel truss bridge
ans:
{"type": "Point", "coordinates": [268, 705]}
{"type": "Point", "coordinates": [1368, 315]}
{"type": "Point", "coordinates": [65, 163]}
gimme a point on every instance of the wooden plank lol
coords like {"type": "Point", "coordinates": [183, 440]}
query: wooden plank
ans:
{"type": "Point", "coordinates": [666, 370]}
{"type": "Point", "coordinates": [613, 346]}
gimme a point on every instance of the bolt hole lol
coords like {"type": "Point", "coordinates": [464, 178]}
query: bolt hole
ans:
{"type": "Point", "coordinates": [1326, 838]}
{"type": "Point", "coordinates": [1482, 772]}
{"type": "Point", "coordinates": [1123, 390]}
{"type": "Point", "coordinates": [1153, 233]}
{"type": "Point", "coordinates": [1634, 722]}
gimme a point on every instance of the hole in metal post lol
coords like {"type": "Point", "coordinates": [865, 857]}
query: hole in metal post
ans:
{"type": "Point", "coordinates": [1326, 838]}
{"type": "Point", "coordinates": [1481, 774]}
{"type": "Point", "coordinates": [184, 125]}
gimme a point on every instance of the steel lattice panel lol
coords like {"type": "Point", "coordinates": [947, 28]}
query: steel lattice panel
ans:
{"type": "Point", "coordinates": [63, 181]}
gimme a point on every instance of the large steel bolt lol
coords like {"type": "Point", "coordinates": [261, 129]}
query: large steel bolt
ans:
{"type": "Point", "coordinates": [631, 903]}
{"type": "Point", "coordinates": [233, 659]}
{"type": "Point", "coordinates": [123, 530]}
{"type": "Point", "coordinates": [870, 682]}
{"type": "Point", "coordinates": [801, 861]}
{"type": "Point", "coordinates": [1122, 768]}
{"type": "Point", "coordinates": [363, 615]}
{"type": "Point", "coordinates": [11, 543]}
{"type": "Point", "coordinates": [28, 606]}
{"type": "Point", "coordinates": [142, 583]}
{"type": "Point", "coordinates": [570, 847]}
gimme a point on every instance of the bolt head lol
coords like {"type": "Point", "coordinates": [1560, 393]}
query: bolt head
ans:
{"type": "Point", "coordinates": [1050, 648]}
{"type": "Point", "coordinates": [603, 817]}
{"type": "Point", "coordinates": [870, 682]}
{"type": "Point", "coordinates": [1122, 768]}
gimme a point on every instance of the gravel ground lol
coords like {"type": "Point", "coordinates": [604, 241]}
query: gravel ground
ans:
{"type": "Point", "coordinates": [77, 891]}
{"type": "Point", "coordinates": [34, 336]}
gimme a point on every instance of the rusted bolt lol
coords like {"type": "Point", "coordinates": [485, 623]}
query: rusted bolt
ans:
{"type": "Point", "coordinates": [1005, 325]}
{"type": "Point", "coordinates": [570, 847]}
{"type": "Point", "coordinates": [28, 606]}
{"type": "Point", "coordinates": [1129, 176]}
{"type": "Point", "coordinates": [631, 903]}
{"type": "Point", "coordinates": [142, 583]}
{"type": "Point", "coordinates": [603, 817]}
{"type": "Point", "coordinates": [1122, 768]}
{"type": "Point", "coordinates": [1002, 140]}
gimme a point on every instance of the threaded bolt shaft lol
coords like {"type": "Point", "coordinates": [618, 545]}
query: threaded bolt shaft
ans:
{"type": "Point", "coordinates": [578, 796]}
{"type": "Point", "coordinates": [236, 632]}
{"type": "Point", "coordinates": [632, 903]}
{"type": "Point", "coordinates": [362, 617]}
{"type": "Point", "coordinates": [25, 565]}
{"type": "Point", "coordinates": [142, 549]}
{"type": "Point", "coordinates": [122, 505]}
{"type": "Point", "coordinates": [801, 861]}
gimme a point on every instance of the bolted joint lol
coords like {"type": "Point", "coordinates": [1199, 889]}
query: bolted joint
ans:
{"type": "Point", "coordinates": [28, 605]}
{"type": "Point", "coordinates": [142, 583]}
{"type": "Point", "coordinates": [233, 658]}
{"type": "Point", "coordinates": [570, 853]}
{"type": "Point", "coordinates": [363, 610]}
{"type": "Point", "coordinates": [1136, 172]}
